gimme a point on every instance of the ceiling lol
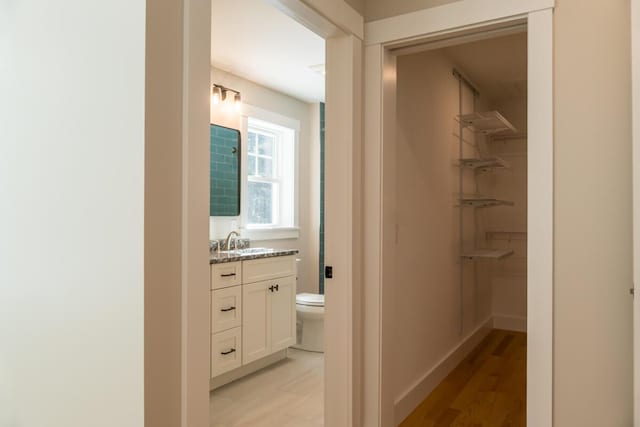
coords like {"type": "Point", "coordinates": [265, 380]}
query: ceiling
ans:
{"type": "Point", "coordinates": [498, 67]}
{"type": "Point", "coordinates": [256, 41]}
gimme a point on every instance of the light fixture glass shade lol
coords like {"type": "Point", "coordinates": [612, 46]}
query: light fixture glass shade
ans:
{"type": "Point", "coordinates": [237, 102]}
{"type": "Point", "coordinates": [216, 95]}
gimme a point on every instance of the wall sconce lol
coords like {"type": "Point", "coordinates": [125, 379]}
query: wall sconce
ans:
{"type": "Point", "coordinates": [219, 94]}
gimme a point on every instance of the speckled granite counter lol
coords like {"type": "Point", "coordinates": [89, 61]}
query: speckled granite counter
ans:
{"type": "Point", "coordinates": [247, 254]}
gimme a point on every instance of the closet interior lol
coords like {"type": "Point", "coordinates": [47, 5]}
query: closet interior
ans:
{"type": "Point", "coordinates": [461, 191]}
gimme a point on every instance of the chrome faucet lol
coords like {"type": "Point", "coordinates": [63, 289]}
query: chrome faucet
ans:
{"type": "Point", "coordinates": [233, 232]}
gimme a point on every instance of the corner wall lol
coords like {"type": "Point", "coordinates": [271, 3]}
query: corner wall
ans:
{"type": "Point", "coordinates": [593, 227]}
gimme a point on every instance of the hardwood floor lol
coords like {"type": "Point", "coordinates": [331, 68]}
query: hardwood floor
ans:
{"type": "Point", "coordinates": [487, 389]}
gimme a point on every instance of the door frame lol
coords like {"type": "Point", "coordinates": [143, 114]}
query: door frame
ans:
{"type": "Point", "coordinates": [343, 29]}
{"type": "Point", "coordinates": [635, 124]}
{"type": "Point", "coordinates": [438, 23]}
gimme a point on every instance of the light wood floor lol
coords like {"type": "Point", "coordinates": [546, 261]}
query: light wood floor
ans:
{"type": "Point", "coordinates": [289, 393]}
{"type": "Point", "coordinates": [487, 389]}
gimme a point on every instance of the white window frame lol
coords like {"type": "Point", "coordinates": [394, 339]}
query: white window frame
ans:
{"type": "Point", "coordinates": [285, 224]}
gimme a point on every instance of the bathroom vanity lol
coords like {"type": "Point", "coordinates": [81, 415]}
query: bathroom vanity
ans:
{"type": "Point", "coordinates": [253, 310]}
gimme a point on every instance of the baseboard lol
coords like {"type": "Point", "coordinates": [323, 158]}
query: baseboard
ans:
{"type": "Point", "coordinates": [421, 388]}
{"type": "Point", "coordinates": [247, 369]}
{"type": "Point", "coordinates": [510, 323]}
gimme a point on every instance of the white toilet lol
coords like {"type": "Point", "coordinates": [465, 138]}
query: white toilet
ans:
{"type": "Point", "coordinates": [310, 322]}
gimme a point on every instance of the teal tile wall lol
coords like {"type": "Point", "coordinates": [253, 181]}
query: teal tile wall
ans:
{"type": "Point", "coordinates": [321, 255]}
{"type": "Point", "coordinates": [224, 176]}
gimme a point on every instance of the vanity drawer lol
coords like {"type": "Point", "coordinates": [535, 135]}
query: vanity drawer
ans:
{"type": "Point", "coordinates": [226, 274]}
{"type": "Point", "coordinates": [258, 270]}
{"type": "Point", "coordinates": [226, 308]}
{"type": "Point", "coordinates": [226, 351]}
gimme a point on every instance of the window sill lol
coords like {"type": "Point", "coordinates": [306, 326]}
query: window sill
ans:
{"type": "Point", "coordinates": [274, 233]}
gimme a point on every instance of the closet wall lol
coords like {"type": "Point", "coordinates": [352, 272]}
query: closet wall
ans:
{"type": "Point", "coordinates": [426, 293]}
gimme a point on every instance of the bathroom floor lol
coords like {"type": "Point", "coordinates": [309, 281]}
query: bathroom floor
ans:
{"type": "Point", "coordinates": [289, 393]}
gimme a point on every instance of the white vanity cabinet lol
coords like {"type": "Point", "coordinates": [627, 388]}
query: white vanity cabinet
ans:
{"type": "Point", "coordinates": [269, 317]}
{"type": "Point", "coordinates": [253, 311]}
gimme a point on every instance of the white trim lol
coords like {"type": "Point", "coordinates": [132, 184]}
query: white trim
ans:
{"type": "Point", "coordinates": [251, 111]}
{"type": "Point", "coordinates": [510, 323]}
{"type": "Point", "coordinates": [271, 233]}
{"type": "Point", "coordinates": [372, 244]}
{"type": "Point", "coordinates": [540, 220]}
{"type": "Point", "coordinates": [415, 394]}
{"type": "Point", "coordinates": [635, 83]}
{"type": "Point", "coordinates": [459, 15]}
{"type": "Point", "coordinates": [286, 220]}
{"type": "Point", "coordinates": [327, 18]}
{"type": "Point", "coordinates": [342, 222]}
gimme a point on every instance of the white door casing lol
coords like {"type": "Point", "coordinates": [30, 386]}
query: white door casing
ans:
{"type": "Point", "coordinates": [635, 83]}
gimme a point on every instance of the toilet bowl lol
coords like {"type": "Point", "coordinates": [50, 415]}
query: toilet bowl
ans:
{"type": "Point", "coordinates": [310, 322]}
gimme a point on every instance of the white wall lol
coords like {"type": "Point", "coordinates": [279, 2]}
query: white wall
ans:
{"type": "Point", "coordinates": [308, 170]}
{"type": "Point", "coordinates": [593, 219]}
{"type": "Point", "coordinates": [71, 213]}
{"type": "Point", "coordinates": [426, 291]}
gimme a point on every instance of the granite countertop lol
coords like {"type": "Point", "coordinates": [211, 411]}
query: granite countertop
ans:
{"type": "Point", "coordinates": [247, 254]}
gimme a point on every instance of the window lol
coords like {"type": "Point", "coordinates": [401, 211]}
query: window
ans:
{"type": "Point", "coordinates": [270, 169]}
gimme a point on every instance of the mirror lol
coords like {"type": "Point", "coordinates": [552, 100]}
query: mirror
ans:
{"type": "Point", "coordinates": [224, 172]}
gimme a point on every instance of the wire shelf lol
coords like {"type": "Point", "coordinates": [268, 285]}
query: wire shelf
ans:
{"type": "Point", "coordinates": [487, 254]}
{"type": "Point", "coordinates": [487, 123]}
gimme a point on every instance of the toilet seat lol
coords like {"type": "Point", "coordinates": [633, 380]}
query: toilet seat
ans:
{"type": "Point", "coordinates": [310, 300]}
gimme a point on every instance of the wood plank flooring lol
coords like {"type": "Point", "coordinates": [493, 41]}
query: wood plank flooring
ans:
{"type": "Point", "coordinates": [289, 393]}
{"type": "Point", "coordinates": [487, 389]}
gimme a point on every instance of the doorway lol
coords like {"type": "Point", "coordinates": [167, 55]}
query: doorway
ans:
{"type": "Point", "coordinates": [343, 70]}
{"type": "Point", "coordinates": [460, 256]}
{"type": "Point", "coordinates": [407, 32]}
{"type": "Point", "coordinates": [267, 361]}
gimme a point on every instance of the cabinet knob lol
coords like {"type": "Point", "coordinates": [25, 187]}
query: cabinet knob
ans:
{"type": "Point", "coordinates": [271, 288]}
{"type": "Point", "coordinates": [277, 287]}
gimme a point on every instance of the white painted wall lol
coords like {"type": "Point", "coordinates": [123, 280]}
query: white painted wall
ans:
{"type": "Point", "coordinates": [308, 170]}
{"type": "Point", "coordinates": [426, 288]}
{"type": "Point", "coordinates": [71, 213]}
{"type": "Point", "coordinates": [593, 240]}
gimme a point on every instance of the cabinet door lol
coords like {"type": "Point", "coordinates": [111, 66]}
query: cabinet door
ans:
{"type": "Point", "coordinates": [256, 315]}
{"type": "Point", "coordinates": [283, 313]}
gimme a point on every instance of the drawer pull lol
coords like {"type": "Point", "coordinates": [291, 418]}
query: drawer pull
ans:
{"type": "Point", "coordinates": [228, 275]}
{"type": "Point", "coordinates": [227, 309]}
{"type": "Point", "coordinates": [224, 353]}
